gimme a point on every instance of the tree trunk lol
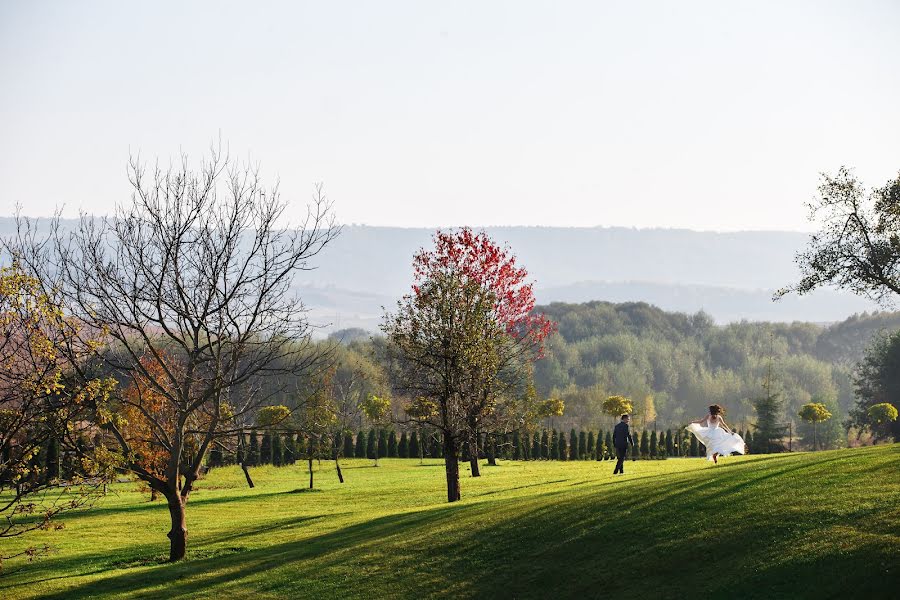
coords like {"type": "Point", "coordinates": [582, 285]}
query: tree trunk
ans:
{"type": "Point", "coordinates": [337, 465]}
{"type": "Point", "coordinates": [247, 474]}
{"type": "Point", "coordinates": [310, 473]}
{"type": "Point", "coordinates": [489, 450]}
{"type": "Point", "coordinates": [154, 494]}
{"type": "Point", "coordinates": [473, 455]}
{"type": "Point", "coordinates": [178, 534]}
{"type": "Point", "coordinates": [451, 466]}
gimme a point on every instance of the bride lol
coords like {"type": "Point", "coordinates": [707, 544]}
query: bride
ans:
{"type": "Point", "coordinates": [713, 433]}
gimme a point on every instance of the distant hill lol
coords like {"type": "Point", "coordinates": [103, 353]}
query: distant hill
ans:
{"type": "Point", "coordinates": [729, 275]}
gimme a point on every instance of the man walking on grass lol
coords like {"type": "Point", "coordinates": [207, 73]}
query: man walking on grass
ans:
{"type": "Point", "coordinates": [621, 440]}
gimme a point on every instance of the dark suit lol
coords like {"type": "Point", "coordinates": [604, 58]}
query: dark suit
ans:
{"type": "Point", "coordinates": [621, 441]}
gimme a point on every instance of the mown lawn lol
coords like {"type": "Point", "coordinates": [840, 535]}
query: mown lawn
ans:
{"type": "Point", "coordinates": [823, 525]}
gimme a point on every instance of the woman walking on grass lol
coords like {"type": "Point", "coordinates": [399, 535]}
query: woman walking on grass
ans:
{"type": "Point", "coordinates": [713, 433]}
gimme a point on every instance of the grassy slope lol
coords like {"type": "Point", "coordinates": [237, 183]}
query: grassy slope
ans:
{"type": "Point", "coordinates": [806, 525]}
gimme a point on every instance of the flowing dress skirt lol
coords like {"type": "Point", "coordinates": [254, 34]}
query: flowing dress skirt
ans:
{"type": "Point", "coordinates": [717, 440]}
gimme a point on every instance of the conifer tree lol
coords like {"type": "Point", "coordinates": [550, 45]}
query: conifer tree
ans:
{"type": "Point", "coordinates": [360, 450]}
{"type": "Point", "coordinates": [348, 445]}
{"type": "Point", "coordinates": [554, 445]}
{"type": "Point", "coordinates": [563, 450]}
{"type": "Point", "coordinates": [253, 452]}
{"type": "Point", "coordinates": [437, 449]}
{"type": "Point", "coordinates": [516, 446]}
{"type": "Point", "coordinates": [536, 447]}
{"type": "Point", "coordinates": [590, 446]}
{"type": "Point", "coordinates": [607, 454]}
{"type": "Point", "coordinates": [654, 444]}
{"type": "Point", "coordinates": [545, 445]}
{"type": "Point", "coordinates": [573, 445]}
{"type": "Point", "coordinates": [695, 449]}
{"type": "Point", "coordinates": [748, 440]}
{"type": "Point", "coordinates": [277, 450]}
{"type": "Point", "coordinates": [414, 450]}
{"type": "Point", "coordinates": [645, 444]}
{"type": "Point", "coordinates": [669, 443]}
{"type": "Point", "coordinates": [382, 443]}
{"type": "Point", "coordinates": [582, 445]}
{"type": "Point", "coordinates": [403, 446]}
{"type": "Point", "coordinates": [371, 448]}
{"type": "Point", "coordinates": [265, 449]}
{"type": "Point", "coordinates": [290, 449]}
{"type": "Point", "coordinates": [636, 447]}
{"type": "Point", "coordinates": [392, 445]}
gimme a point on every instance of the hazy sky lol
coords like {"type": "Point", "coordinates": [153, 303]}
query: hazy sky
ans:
{"type": "Point", "coordinates": [707, 115]}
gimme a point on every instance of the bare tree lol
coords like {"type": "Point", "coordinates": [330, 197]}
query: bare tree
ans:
{"type": "Point", "coordinates": [191, 286]}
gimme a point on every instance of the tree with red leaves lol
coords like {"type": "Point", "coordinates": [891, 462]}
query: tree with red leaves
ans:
{"type": "Point", "coordinates": [461, 344]}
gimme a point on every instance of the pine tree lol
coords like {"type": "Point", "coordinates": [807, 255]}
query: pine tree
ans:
{"type": "Point", "coordinates": [403, 448]}
{"type": "Point", "coordinates": [554, 445]}
{"type": "Point", "coordinates": [670, 447]}
{"type": "Point", "coordinates": [545, 445]}
{"type": "Point", "coordinates": [253, 453]}
{"type": "Point", "coordinates": [414, 451]}
{"type": "Point", "coordinates": [589, 450]}
{"type": "Point", "coordinates": [768, 412]}
{"type": "Point", "coordinates": [608, 450]}
{"type": "Point", "coordinates": [392, 445]}
{"type": "Point", "coordinates": [53, 459]}
{"type": "Point", "coordinates": [517, 446]}
{"type": "Point", "coordinates": [573, 445]}
{"type": "Point", "coordinates": [360, 450]}
{"type": "Point", "coordinates": [370, 445]}
{"type": "Point", "coordinates": [277, 450]}
{"type": "Point", "coordinates": [636, 448]}
{"type": "Point", "coordinates": [536, 447]}
{"type": "Point", "coordinates": [654, 444]}
{"type": "Point", "coordinates": [348, 445]}
{"type": "Point", "coordinates": [695, 449]}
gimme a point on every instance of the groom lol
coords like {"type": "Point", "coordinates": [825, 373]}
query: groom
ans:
{"type": "Point", "coordinates": [621, 439]}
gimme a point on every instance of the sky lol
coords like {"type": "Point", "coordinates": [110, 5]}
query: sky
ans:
{"type": "Point", "coordinates": [692, 114]}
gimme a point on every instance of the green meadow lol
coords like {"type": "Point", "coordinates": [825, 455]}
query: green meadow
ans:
{"type": "Point", "coordinates": [810, 525]}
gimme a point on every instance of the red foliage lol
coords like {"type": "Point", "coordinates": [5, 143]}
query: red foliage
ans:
{"type": "Point", "coordinates": [475, 257]}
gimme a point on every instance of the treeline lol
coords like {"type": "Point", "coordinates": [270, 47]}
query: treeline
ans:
{"type": "Point", "coordinates": [283, 449]}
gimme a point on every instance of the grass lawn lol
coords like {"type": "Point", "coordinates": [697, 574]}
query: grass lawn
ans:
{"type": "Point", "coordinates": [824, 525]}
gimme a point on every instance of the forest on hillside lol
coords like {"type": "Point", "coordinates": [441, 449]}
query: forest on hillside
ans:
{"type": "Point", "coordinates": [673, 365]}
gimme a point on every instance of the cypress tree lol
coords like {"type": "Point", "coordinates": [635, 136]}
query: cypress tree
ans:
{"type": "Point", "coordinates": [669, 445]}
{"type": "Point", "coordinates": [554, 445]}
{"type": "Point", "coordinates": [382, 443]}
{"type": "Point", "coordinates": [253, 453]}
{"type": "Point", "coordinates": [636, 448]}
{"type": "Point", "coordinates": [277, 452]}
{"type": "Point", "coordinates": [645, 445]}
{"type": "Point", "coordinates": [589, 451]}
{"type": "Point", "coordinates": [437, 450]}
{"type": "Point", "coordinates": [654, 445]}
{"type": "Point", "coordinates": [563, 451]}
{"type": "Point", "coordinates": [403, 447]}
{"type": "Point", "coordinates": [517, 445]}
{"type": "Point", "coordinates": [290, 450]}
{"type": "Point", "coordinates": [265, 449]}
{"type": "Point", "coordinates": [53, 459]}
{"type": "Point", "coordinates": [536, 446]}
{"type": "Point", "coordinates": [359, 451]}
{"type": "Point", "coordinates": [545, 445]}
{"type": "Point", "coordinates": [414, 445]}
{"type": "Point", "coordinates": [370, 446]}
{"type": "Point", "coordinates": [609, 446]}
{"type": "Point", "coordinates": [573, 445]}
{"type": "Point", "coordinates": [695, 451]}
{"type": "Point", "coordinates": [392, 445]}
{"type": "Point", "coordinates": [348, 445]}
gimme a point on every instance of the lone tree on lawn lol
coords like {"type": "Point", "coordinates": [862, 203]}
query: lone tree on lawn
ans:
{"type": "Point", "coordinates": [616, 406]}
{"type": "Point", "coordinates": [194, 275]}
{"type": "Point", "coordinates": [463, 339]}
{"type": "Point", "coordinates": [815, 413]}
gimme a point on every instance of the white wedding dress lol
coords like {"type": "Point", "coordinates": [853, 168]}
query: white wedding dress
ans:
{"type": "Point", "coordinates": [717, 440]}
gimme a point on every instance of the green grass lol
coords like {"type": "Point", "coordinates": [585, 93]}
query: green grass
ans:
{"type": "Point", "coordinates": [824, 525]}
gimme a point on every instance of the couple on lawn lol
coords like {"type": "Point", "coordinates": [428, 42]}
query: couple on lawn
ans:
{"type": "Point", "coordinates": [711, 431]}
